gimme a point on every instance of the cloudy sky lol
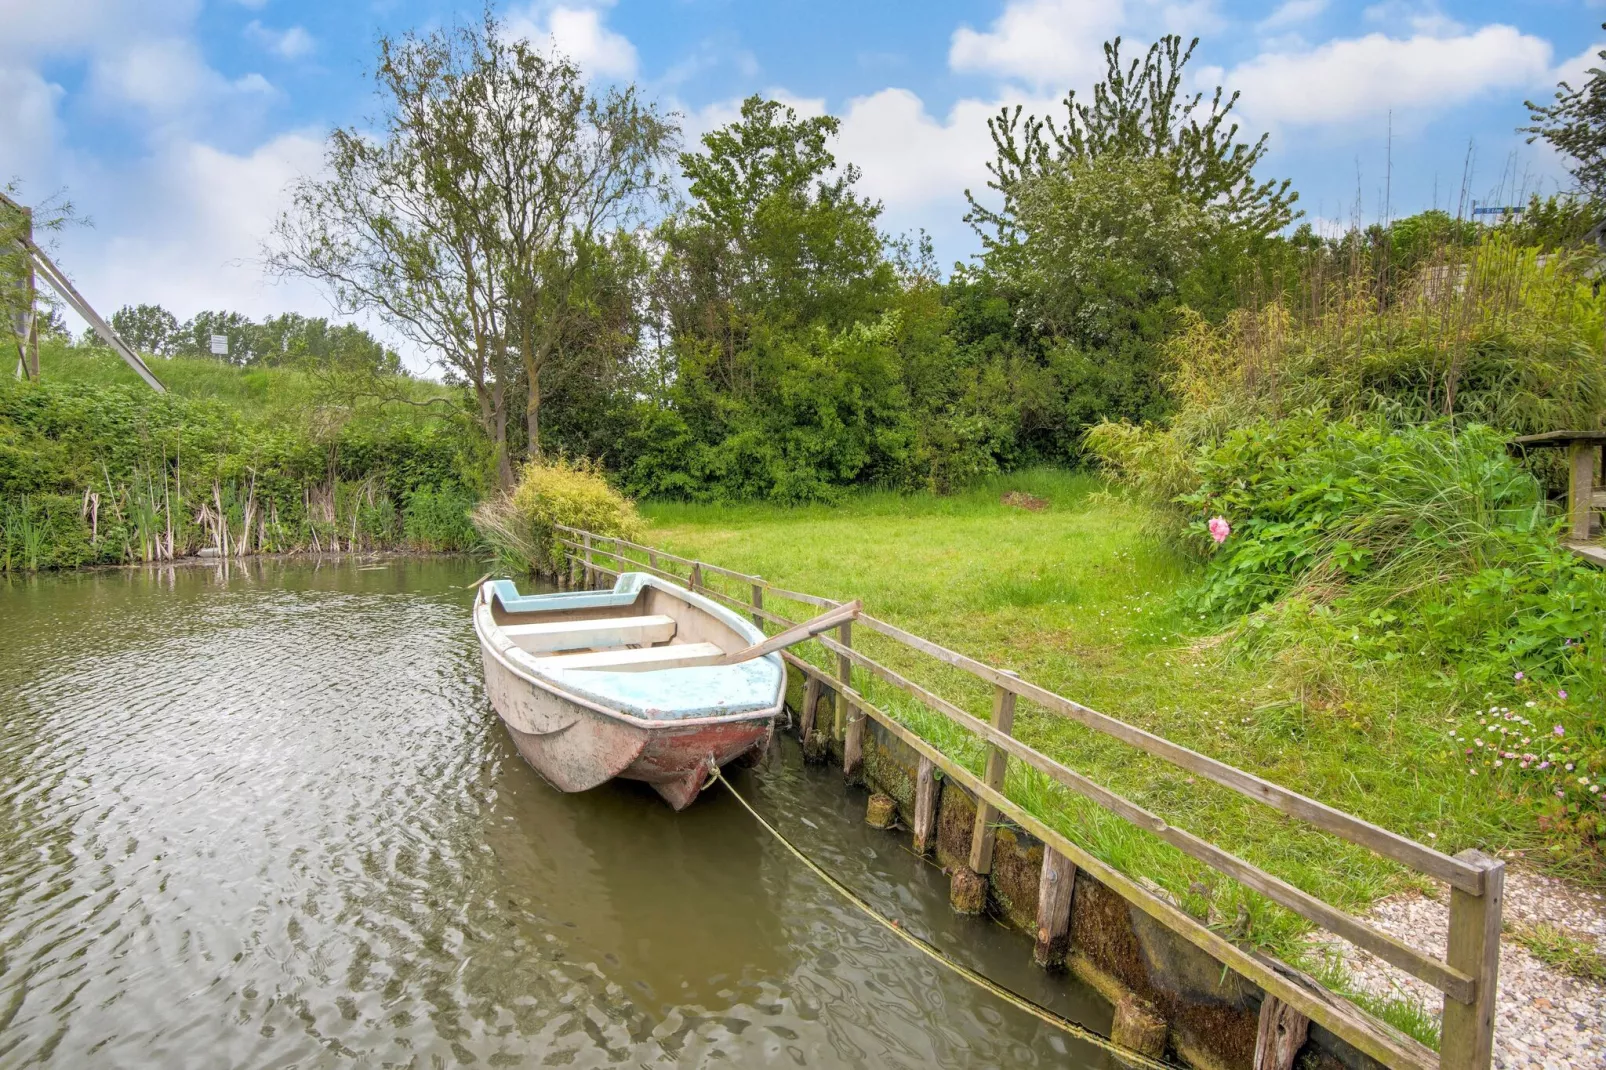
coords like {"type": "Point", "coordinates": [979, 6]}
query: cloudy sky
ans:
{"type": "Point", "coordinates": [175, 125]}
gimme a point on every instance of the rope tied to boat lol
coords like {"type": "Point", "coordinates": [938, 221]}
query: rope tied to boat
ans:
{"type": "Point", "coordinates": [936, 954]}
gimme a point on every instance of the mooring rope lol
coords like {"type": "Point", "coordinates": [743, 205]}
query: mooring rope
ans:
{"type": "Point", "coordinates": [937, 955]}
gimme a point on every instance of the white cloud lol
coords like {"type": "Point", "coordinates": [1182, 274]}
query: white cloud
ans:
{"type": "Point", "coordinates": [1041, 42]}
{"type": "Point", "coordinates": [1575, 70]}
{"type": "Point", "coordinates": [286, 44]}
{"type": "Point", "coordinates": [578, 32]}
{"type": "Point", "coordinates": [909, 157]}
{"type": "Point", "coordinates": [1292, 13]}
{"type": "Point", "coordinates": [1361, 78]}
{"type": "Point", "coordinates": [1060, 43]}
{"type": "Point", "coordinates": [28, 119]}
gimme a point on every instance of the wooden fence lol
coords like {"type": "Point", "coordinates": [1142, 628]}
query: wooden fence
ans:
{"type": "Point", "coordinates": [1466, 975]}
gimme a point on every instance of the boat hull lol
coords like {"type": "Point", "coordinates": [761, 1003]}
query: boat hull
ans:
{"type": "Point", "coordinates": [575, 745]}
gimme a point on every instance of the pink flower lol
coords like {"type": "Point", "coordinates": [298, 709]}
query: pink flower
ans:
{"type": "Point", "coordinates": [1219, 529]}
{"type": "Point", "coordinates": [1562, 695]}
{"type": "Point", "coordinates": [1559, 730]}
{"type": "Point", "coordinates": [1518, 675]}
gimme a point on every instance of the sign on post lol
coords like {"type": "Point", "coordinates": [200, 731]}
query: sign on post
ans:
{"type": "Point", "coordinates": [220, 345]}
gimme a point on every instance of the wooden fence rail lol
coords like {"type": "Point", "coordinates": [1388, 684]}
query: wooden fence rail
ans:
{"type": "Point", "coordinates": [1466, 975]}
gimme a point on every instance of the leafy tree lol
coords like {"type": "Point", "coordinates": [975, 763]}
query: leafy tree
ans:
{"type": "Point", "coordinates": [470, 222]}
{"type": "Point", "coordinates": [194, 338]}
{"type": "Point", "coordinates": [148, 328]}
{"type": "Point", "coordinates": [1139, 110]}
{"type": "Point", "coordinates": [1575, 126]}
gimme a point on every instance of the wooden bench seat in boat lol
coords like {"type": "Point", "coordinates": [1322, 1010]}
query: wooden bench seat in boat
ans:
{"type": "Point", "coordinates": [653, 657]}
{"type": "Point", "coordinates": [597, 634]}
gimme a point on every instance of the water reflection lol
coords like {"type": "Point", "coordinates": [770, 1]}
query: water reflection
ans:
{"type": "Point", "coordinates": [262, 815]}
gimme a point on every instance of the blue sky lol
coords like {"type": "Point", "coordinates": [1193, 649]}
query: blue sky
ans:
{"type": "Point", "coordinates": [176, 125]}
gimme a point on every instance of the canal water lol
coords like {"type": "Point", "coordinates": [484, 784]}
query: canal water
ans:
{"type": "Point", "coordinates": [263, 816]}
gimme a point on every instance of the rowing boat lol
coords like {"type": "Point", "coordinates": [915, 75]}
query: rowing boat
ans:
{"type": "Point", "coordinates": [638, 682]}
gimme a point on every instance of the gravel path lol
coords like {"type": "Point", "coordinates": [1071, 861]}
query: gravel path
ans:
{"type": "Point", "coordinates": [1545, 1019]}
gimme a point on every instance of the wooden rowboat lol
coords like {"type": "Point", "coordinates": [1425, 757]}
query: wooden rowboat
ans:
{"type": "Point", "coordinates": [648, 681]}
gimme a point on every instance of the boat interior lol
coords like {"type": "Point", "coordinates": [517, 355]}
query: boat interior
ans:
{"type": "Point", "coordinates": [626, 631]}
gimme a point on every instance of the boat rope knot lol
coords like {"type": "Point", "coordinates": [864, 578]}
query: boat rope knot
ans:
{"type": "Point", "coordinates": [1126, 1055]}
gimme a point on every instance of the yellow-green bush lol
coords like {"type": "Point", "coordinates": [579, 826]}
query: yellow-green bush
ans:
{"type": "Point", "coordinates": [521, 526]}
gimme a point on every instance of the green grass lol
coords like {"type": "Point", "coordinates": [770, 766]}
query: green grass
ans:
{"type": "Point", "coordinates": [1556, 947]}
{"type": "Point", "coordinates": [1078, 598]}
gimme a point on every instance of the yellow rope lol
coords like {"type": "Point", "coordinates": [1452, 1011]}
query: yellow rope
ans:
{"type": "Point", "coordinates": [934, 953]}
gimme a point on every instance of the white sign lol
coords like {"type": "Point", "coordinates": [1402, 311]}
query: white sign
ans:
{"type": "Point", "coordinates": [220, 345]}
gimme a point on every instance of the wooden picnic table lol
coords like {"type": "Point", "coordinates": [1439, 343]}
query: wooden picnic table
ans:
{"type": "Point", "coordinates": [1585, 497]}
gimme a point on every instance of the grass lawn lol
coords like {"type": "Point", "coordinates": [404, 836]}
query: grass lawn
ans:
{"type": "Point", "coordinates": [1079, 599]}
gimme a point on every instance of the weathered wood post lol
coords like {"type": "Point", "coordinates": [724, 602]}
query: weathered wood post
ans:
{"type": "Point", "coordinates": [1474, 948]}
{"type": "Point", "coordinates": [851, 752]}
{"type": "Point", "coordinates": [981, 837]}
{"type": "Point", "coordinates": [1581, 486]}
{"type": "Point", "coordinates": [758, 600]}
{"type": "Point", "coordinates": [808, 728]}
{"type": "Point", "coordinates": [1282, 1033]}
{"type": "Point", "coordinates": [696, 575]}
{"type": "Point", "coordinates": [925, 805]}
{"type": "Point", "coordinates": [1056, 890]}
{"type": "Point", "coordinates": [652, 559]}
{"type": "Point", "coordinates": [590, 574]}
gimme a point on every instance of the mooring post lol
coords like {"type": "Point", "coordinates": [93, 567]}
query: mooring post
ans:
{"type": "Point", "coordinates": [590, 573]}
{"type": "Point", "coordinates": [1056, 891]}
{"type": "Point", "coordinates": [696, 574]}
{"type": "Point", "coordinates": [652, 559]}
{"type": "Point", "coordinates": [1474, 948]}
{"type": "Point", "coordinates": [1282, 1033]}
{"type": "Point", "coordinates": [925, 805]}
{"type": "Point", "coordinates": [758, 599]}
{"type": "Point", "coordinates": [981, 837]}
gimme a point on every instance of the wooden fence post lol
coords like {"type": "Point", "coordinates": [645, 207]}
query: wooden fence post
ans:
{"type": "Point", "coordinates": [1282, 1033]}
{"type": "Point", "coordinates": [844, 673]}
{"type": "Point", "coordinates": [925, 805]}
{"type": "Point", "coordinates": [758, 602]}
{"type": "Point", "coordinates": [1581, 486]}
{"type": "Point", "coordinates": [1474, 948]}
{"type": "Point", "coordinates": [1056, 891]}
{"type": "Point", "coordinates": [696, 575]}
{"type": "Point", "coordinates": [981, 837]}
{"type": "Point", "coordinates": [591, 576]}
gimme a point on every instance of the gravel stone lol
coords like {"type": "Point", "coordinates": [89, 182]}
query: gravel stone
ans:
{"type": "Point", "coordinates": [1544, 1019]}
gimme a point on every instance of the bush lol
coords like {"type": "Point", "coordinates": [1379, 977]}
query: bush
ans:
{"type": "Point", "coordinates": [438, 520]}
{"type": "Point", "coordinates": [521, 527]}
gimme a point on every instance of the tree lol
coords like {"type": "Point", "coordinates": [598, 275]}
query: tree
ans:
{"type": "Point", "coordinates": [194, 338]}
{"type": "Point", "coordinates": [148, 328]}
{"type": "Point", "coordinates": [470, 221]}
{"type": "Point", "coordinates": [1139, 110]}
{"type": "Point", "coordinates": [1575, 126]}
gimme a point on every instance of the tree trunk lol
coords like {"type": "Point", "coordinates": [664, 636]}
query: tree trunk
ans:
{"type": "Point", "coordinates": [533, 413]}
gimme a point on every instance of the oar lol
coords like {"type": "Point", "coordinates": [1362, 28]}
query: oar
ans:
{"type": "Point", "coordinates": [796, 633]}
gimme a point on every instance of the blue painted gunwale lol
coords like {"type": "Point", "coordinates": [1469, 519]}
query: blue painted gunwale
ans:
{"type": "Point", "coordinates": [698, 692]}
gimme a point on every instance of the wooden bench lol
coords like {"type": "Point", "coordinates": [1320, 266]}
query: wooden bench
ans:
{"type": "Point", "coordinates": [677, 656]}
{"type": "Point", "coordinates": [552, 636]}
{"type": "Point", "coordinates": [1585, 498]}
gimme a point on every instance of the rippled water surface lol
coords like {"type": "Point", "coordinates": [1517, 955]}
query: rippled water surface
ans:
{"type": "Point", "coordinates": [268, 819]}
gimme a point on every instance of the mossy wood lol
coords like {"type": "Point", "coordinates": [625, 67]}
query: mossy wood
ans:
{"type": "Point", "coordinates": [1467, 975]}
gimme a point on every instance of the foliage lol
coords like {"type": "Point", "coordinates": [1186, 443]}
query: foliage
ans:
{"type": "Point", "coordinates": [438, 520]}
{"type": "Point", "coordinates": [95, 467]}
{"type": "Point", "coordinates": [1575, 126]}
{"type": "Point", "coordinates": [487, 220]}
{"type": "Point", "coordinates": [521, 525]}
{"type": "Point", "coordinates": [147, 328]}
{"type": "Point", "coordinates": [1139, 111]}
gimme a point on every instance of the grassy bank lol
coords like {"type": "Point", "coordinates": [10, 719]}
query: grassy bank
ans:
{"type": "Point", "coordinates": [96, 468]}
{"type": "Point", "coordinates": [1077, 598]}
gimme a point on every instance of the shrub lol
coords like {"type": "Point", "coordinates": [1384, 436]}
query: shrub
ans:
{"type": "Point", "coordinates": [438, 520]}
{"type": "Point", "coordinates": [521, 526]}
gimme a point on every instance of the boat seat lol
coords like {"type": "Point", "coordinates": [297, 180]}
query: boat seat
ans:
{"type": "Point", "coordinates": [599, 634]}
{"type": "Point", "coordinates": [653, 657]}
